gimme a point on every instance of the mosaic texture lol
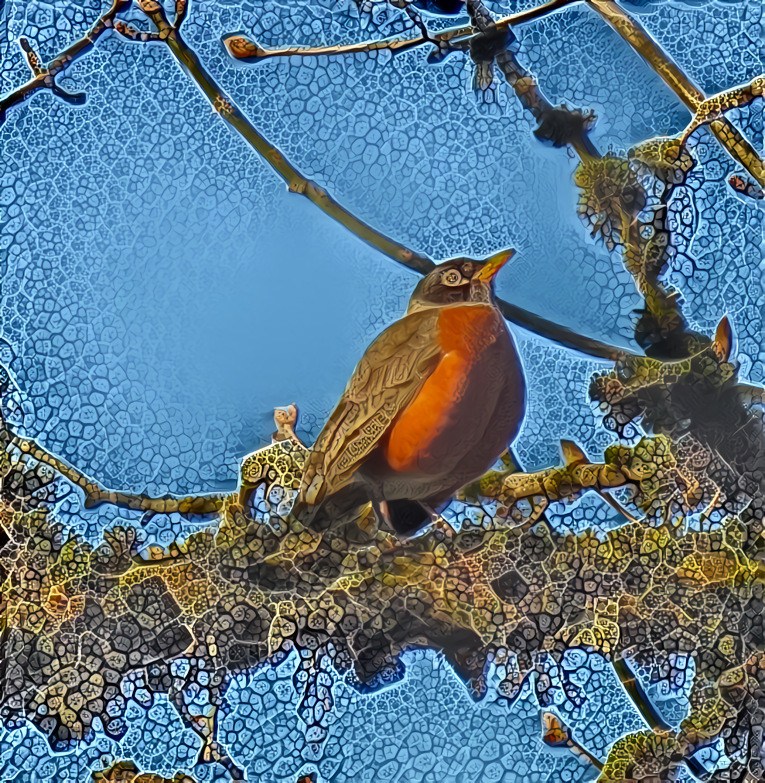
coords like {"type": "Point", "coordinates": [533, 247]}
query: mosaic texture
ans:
{"type": "Point", "coordinates": [591, 608]}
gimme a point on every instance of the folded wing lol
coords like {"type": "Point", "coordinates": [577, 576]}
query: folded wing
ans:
{"type": "Point", "coordinates": [388, 376]}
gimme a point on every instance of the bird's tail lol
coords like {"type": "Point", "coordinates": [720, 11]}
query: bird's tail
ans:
{"type": "Point", "coordinates": [344, 506]}
{"type": "Point", "coordinates": [351, 504]}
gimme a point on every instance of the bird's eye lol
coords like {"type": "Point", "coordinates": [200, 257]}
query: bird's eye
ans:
{"type": "Point", "coordinates": [452, 277]}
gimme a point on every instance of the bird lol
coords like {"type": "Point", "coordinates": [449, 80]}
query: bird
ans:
{"type": "Point", "coordinates": [434, 401]}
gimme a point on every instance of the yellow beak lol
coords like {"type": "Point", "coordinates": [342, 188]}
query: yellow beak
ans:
{"type": "Point", "coordinates": [492, 265]}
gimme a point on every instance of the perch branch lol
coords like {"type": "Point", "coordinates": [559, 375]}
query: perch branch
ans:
{"type": "Point", "coordinates": [639, 39]}
{"type": "Point", "coordinates": [644, 467]}
{"type": "Point", "coordinates": [44, 78]}
{"type": "Point", "coordinates": [297, 183]}
{"type": "Point", "coordinates": [95, 494]}
{"type": "Point", "coordinates": [241, 47]}
{"type": "Point", "coordinates": [552, 483]}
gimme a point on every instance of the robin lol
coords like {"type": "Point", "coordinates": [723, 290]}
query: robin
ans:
{"type": "Point", "coordinates": [434, 401]}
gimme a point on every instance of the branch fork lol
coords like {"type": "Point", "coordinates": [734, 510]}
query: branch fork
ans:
{"type": "Point", "coordinates": [44, 78]}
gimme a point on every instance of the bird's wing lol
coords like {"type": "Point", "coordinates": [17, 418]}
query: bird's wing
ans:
{"type": "Point", "coordinates": [389, 374]}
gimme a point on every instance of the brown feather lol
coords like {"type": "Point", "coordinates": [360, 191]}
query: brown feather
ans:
{"type": "Point", "coordinates": [388, 376]}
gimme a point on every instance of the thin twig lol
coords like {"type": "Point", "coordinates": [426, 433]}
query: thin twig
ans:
{"type": "Point", "coordinates": [640, 40]}
{"type": "Point", "coordinates": [44, 78]}
{"type": "Point", "coordinates": [241, 47]}
{"type": "Point", "coordinates": [639, 697]}
{"type": "Point", "coordinates": [527, 90]}
{"type": "Point", "coordinates": [95, 494]}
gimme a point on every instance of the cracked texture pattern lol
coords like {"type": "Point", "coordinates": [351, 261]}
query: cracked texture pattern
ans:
{"type": "Point", "coordinates": [161, 292]}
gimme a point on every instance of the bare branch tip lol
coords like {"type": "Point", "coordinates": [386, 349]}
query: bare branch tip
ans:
{"type": "Point", "coordinates": [73, 98]}
{"type": "Point", "coordinates": [181, 8]}
{"type": "Point", "coordinates": [240, 47]}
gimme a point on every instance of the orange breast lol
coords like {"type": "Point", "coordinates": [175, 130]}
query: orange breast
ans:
{"type": "Point", "coordinates": [463, 332]}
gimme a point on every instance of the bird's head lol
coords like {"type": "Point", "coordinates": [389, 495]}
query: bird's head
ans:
{"type": "Point", "coordinates": [458, 280]}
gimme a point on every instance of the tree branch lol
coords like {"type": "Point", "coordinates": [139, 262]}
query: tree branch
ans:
{"type": "Point", "coordinates": [639, 39]}
{"type": "Point", "coordinates": [31, 56]}
{"type": "Point", "coordinates": [43, 78]}
{"type": "Point", "coordinates": [169, 33]}
{"type": "Point", "coordinates": [714, 108]}
{"type": "Point", "coordinates": [241, 47]}
{"type": "Point", "coordinates": [95, 494]}
{"type": "Point", "coordinates": [560, 126]}
{"type": "Point", "coordinates": [132, 33]}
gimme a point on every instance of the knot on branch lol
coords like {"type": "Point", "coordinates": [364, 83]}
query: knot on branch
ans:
{"type": "Point", "coordinates": [155, 11]}
{"type": "Point", "coordinates": [560, 125]}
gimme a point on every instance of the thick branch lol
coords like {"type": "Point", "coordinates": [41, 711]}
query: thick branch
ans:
{"type": "Point", "coordinates": [639, 39]}
{"type": "Point", "coordinates": [43, 78]}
